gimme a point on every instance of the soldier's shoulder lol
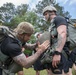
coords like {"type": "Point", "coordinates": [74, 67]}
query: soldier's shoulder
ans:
{"type": "Point", "coordinates": [59, 17]}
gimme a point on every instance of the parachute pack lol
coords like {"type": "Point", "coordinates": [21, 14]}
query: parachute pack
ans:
{"type": "Point", "coordinates": [71, 34]}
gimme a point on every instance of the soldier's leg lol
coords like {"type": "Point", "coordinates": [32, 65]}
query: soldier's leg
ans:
{"type": "Point", "coordinates": [20, 73]}
{"type": "Point", "coordinates": [72, 58]}
{"type": "Point", "coordinates": [49, 72]}
{"type": "Point", "coordinates": [63, 66]}
{"type": "Point", "coordinates": [0, 71]}
{"type": "Point", "coordinates": [74, 66]}
{"type": "Point", "coordinates": [69, 73]}
{"type": "Point", "coordinates": [66, 69]}
{"type": "Point", "coordinates": [37, 72]}
{"type": "Point", "coordinates": [74, 69]}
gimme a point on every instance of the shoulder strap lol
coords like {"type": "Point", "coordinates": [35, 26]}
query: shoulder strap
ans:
{"type": "Point", "coordinates": [52, 25]}
{"type": "Point", "coordinates": [6, 31]}
{"type": "Point", "coordinates": [50, 30]}
{"type": "Point", "coordinates": [9, 32]}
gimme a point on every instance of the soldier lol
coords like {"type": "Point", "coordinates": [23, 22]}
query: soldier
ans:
{"type": "Point", "coordinates": [11, 48]}
{"type": "Point", "coordinates": [58, 31]}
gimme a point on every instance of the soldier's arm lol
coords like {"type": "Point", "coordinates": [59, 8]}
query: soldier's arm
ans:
{"type": "Point", "coordinates": [61, 37]}
{"type": "Point", "coordinates": [27, 62]}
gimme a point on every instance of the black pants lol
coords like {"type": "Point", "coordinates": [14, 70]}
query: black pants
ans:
{"type": "Point", "coordinates": [63, 65]}
{"type": "Point", "coordinates": [72, 58]}
{"type": "Point", "coordinates": [0, 71]}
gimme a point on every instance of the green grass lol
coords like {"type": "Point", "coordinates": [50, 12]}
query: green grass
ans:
{"type": "Point", "coordinates": [31, 71]}
{"type": "Point", "coordinates": [74, 72]}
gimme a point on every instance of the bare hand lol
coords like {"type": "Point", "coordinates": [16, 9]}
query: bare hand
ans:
{"type": "Point", "coordinates": [56, 60]}
{"type": "Point", "coordinates": [43, 46]}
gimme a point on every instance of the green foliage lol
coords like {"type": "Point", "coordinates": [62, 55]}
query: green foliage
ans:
{"type": "Point", "coordinates": [16, 20]}
{"type": "Point", "coordinates": [33, 39]}
{"type": "Point", "coordinates": [22, 9]}
{"type": "Point", "coordinates": [41, 5]}
{"type": "Point", "coordinates": [28, 52]}
{"type": "Point", "coordinates": [7, 12]}
{"type": "Point", "coordinates": [12, 16]}
{"type": "Point", "coordinates": [74, 71]}
{"type": "Point", "coordinates": [31, 17]}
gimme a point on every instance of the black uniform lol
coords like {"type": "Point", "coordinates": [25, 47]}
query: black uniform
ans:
{"type": "Point", "coordinates": [58, 20]}
{"type": "Point", "coordinates": [38, 65]}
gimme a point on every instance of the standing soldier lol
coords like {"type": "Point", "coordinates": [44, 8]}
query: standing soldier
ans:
{"type": "Point", "coordinates": [58, 31]}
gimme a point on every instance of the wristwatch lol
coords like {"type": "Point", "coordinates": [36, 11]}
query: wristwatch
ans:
{"type": "Point", "coordinates": [56, 53]}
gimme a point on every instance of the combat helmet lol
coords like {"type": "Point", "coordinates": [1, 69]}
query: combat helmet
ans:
{"type": "Point", "coordinates": [25, 27]}
{"type": "Point", "coordinates": [49, 8]}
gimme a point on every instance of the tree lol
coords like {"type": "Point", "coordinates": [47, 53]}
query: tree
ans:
{"type": "Point", "coordinates": [29, 16]}
{"type": "Point", "coordinates": [22, 9]}
{"type": "Point", "coordinates": [39, 7]}
{"type": "Point", "coordinates": [44, 3]}
{"type": "Point", "coordinates": [7, 12]}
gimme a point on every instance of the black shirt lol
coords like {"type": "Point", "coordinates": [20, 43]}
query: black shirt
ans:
{"type": "Point", "coordinates": [11, 47]}
{"type": "Point", "coordinates": [59, 20]}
